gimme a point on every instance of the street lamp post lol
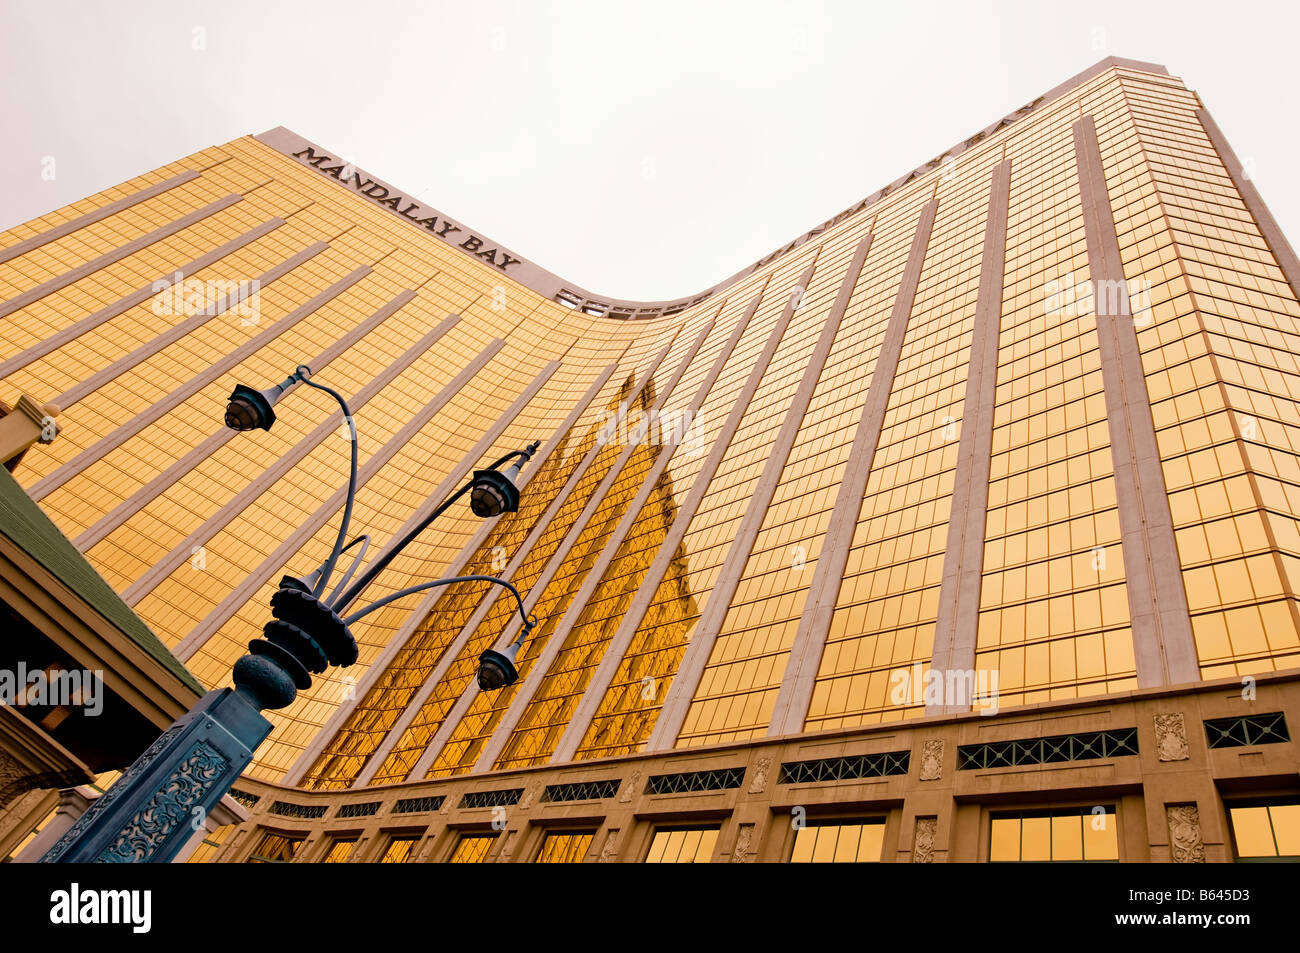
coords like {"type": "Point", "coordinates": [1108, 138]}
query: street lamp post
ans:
{"type": "Point", "coordinates": [162, 798]}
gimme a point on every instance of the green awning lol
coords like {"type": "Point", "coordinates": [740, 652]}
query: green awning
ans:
{"type": "Point", "coordinates": [24, 522]}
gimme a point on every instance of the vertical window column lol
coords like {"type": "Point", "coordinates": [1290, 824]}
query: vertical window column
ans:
{"type": "Point", "coordinates": [801, 671]}
{"type": "Point", "coordinates": [1163, 648]}
{"type": "Point", "coordinates": [959, 593]}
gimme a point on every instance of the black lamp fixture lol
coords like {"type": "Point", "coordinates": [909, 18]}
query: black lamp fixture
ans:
{"type": "Point", "coordinates": [308, 631]}
{"type": "Point", "coordinates": [494, 493]}
{"type": "Point", "coordinates": [497, 670]}
{"type": "Point", "coordinates": [249, 409]}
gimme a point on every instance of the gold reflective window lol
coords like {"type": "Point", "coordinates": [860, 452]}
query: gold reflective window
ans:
{"type": "Point", "coordinates": [1266, 831]}
{"type": "Point", "coordinates": [399, 849]}
{"type": "Point", "coordinates": [340, 850]}
{"type": "Point", "coordinates": [275, 849]}
{"type": "Point", "coordinates": [472, 848]}
{"type": "Point", "coordinates": [839, 842]}
{"type": "Point", "coordinates": [683, 845]}
{"type": "Point", "coordinates": [206, 850]}
{"type": "Point", "coordinates": [565, 847]}
{"type": "Point", "coordinates": [1070, 835]}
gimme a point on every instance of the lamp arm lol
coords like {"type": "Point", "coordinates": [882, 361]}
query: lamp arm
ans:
{"type": "Point", "coordinates": [340, 603]}
{"type": "Point", "coordinates": [526, 454]}
{"type": "Point", "coordinates": [529, 620]}
{"type": "Point", "coordinates": [303, 373]}
{"type": "Point", "coordinates": [357, 560]}
{"type": "Point", "coordinates": [349, 596]}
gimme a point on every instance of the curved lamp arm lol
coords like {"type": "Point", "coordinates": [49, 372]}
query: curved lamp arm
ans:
{"type": "Point", "coordinates": [303, 373]}
{"type": "Point", "coordinates": [357, 560]}
{"type": "Point", "coordinates": [530, 621]}
{"type": "Point", "coordinates": [340, 603]}
{"type": "Point", "coordinates": [526, 454]}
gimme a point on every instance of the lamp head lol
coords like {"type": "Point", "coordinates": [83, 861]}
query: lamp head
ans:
{"type": "Point", "coordinates": [497, 669]}
{"type": "Point", "coordinates": [493, 492]}
{"type": "Point", "coordinates": [249, 409]}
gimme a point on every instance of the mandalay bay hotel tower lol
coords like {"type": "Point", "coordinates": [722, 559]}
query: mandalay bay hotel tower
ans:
{"type": "Point", "coordinates": [964, 527]}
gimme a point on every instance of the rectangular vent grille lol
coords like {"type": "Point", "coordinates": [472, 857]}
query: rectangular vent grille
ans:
{"type": "Point", "coordinates": [492, 798]}
{"type": "Point", "coordinates": [1247, 730]}
{"type": "Point", "coordinates": [244, 797]}
{"type": "Point", "coordinates": [846, 769]}
{"type": "Point", "coordinates": [285, 809]}
{"type": "Point", "coordinates": [721, 780]}
{"type": "Point", "coordinates": [365, 809]}
{"type": "Point", "coordinates": [583, 791]}
{"type": "Point", "coordinates": [1084, 746]}
{"type": "Point", "coordinates": [419, 805]}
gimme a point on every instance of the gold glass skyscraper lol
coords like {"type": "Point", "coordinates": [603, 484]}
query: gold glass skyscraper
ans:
{"type": "Point", "coordinates": [962, 527]}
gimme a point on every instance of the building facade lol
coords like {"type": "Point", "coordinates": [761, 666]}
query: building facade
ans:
{"type": "Point", "coordinates": [964, 527]}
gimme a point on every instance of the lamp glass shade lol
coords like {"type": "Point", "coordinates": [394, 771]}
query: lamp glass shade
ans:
{"type": "Point", "coordinates": [249, 409]}
{"type": "Point", "coordinates": [497, 669]}
{"type": "Point", "coordinates": [493, 493]}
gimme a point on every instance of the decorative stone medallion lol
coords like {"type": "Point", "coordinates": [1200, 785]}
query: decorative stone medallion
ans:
{"type": "Point", "coordinates": [932, 760]}
{"type": "Point", "coordinates": [1171, 737]}
{"type": "Point", "coordinates": [923, 840]}
{"type": "Point", "coordinates": [1186, 844]}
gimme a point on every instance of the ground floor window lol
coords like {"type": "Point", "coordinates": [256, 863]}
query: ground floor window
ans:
{"type": "Point", "coordinates": [851, 842]}
{"type": "Point", "coordinates": [399, 849]}
{"type": "Point", "coordinates": [683, 845]}
{"type": "Point", "coordinates": [275, 849]}
{"type": "Point", "coordinates": [1071, 834]}
{"type": "Point", "coordinates": [472, 848]}
{"type": "Point", "coordinates": [565, 847]}
{"type": "Point", "coordinates": [1266, 830]}
{"type": "Point", "coordinates": [339, 851]}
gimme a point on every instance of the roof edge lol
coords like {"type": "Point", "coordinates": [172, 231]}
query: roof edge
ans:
{"type": "Point", "coordinates": [552, 286]}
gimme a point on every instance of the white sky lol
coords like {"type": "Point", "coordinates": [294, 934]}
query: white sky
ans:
{"type": "Point", "coordinates": [640, 150]}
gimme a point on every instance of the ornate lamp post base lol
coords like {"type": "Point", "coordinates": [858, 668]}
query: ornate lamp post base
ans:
{"type": "Point", "coordinates": [164, 797]}
{"type": "Point", "coordinates": [150, 813]}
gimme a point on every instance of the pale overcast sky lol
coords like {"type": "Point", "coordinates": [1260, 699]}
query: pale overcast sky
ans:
{"type": "Point", "coordinates": [640, 150]}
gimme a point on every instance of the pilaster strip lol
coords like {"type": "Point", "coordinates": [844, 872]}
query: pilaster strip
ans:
{"type": "Point", "coordinates": [137, 297]}
{"type": "Point", "coordinates": [184, 392]}
{"type": "Point", "coordinates": [588, 705]}
{"type": "Point", "coordinates": [1163, 647]}
{"type": "Point", "coordinates": [555, 642]}
{"type": "Point", "coordinates": [959, 592]}
{"type": "Point", "coordinates": [303, 764]}
{"type": "Point", "coordinates": [1277, 243]}
{"type": "Point", "coordinates": [467, 697]}
{"type": "Point", "coordinates": [277, 561]}
{"type": "Point", "coordinates": [805, 654]}
{"type": "Point", "coordinates": [142, 497]}
{"type": "Point", "coordinates": [263, 481]}
{"type": "Point", "coordinates": [1286, 259]}
{"type": "Point", "coordinates": [21, 301]}
{"type": "Point", "coordinates": [81, 221]}
{"type": "Point", "coordinates": [696, 656]}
